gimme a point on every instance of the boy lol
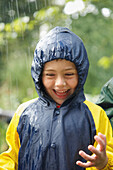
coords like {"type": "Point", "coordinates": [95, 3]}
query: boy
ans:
{"type": "Point", "coordinates": [60, 130]}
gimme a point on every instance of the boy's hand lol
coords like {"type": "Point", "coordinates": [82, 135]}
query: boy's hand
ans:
{"type": "Point", "coordinates": [99, 158]}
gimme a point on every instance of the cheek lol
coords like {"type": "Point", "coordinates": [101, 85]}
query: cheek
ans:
{"type": "Point", "coordinates": [73, 83]}
{"type": "Point", "coordinates": [47, 83]}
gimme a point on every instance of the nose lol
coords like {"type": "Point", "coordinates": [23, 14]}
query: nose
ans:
{"type": "Point", "coordinates": [60, 81]}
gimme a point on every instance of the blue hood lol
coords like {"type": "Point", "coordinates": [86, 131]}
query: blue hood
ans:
{"type": "Point", "coordinates": [60, 43]}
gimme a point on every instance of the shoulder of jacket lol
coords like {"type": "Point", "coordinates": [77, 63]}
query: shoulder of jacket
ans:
{"type": "Point", "coordinates": [97, 112]}
{"type": "Point", "coordinates": [93, 106]}
{"type": "Point", "coordinates": [23, 106]}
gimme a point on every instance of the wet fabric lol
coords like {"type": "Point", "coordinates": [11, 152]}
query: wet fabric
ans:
{"type": "Point", "coordinates": [105, 99]}
{"type": "Point", "coordinates": [51, 139]}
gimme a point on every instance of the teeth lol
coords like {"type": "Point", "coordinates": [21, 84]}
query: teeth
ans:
{"type": "Point", "coordinates": [61, 91]}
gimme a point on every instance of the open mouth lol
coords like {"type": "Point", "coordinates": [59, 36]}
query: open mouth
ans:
{"type": "Point", "coordinates": [61, 93]}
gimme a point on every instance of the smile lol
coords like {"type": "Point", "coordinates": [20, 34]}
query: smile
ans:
{"type": "Point", "coordinates": [61, 93]}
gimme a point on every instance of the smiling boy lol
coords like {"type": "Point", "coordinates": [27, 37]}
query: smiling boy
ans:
{"type": "Point", "coordinates": [60, 79]}
{"type": "Point", "coordinates": [60, 130]}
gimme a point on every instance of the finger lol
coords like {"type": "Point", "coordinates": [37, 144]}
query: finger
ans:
{"type": "Point", "coordinates": [101, 140]}
{"type": "Point", "coordinates": [85, 165]}
{"type": "Point", "coordinates": [103, 137]}
{"type": "Point", "coordinates": [86, 156]}
{"type": "Point", "coordinates": [94, 150]}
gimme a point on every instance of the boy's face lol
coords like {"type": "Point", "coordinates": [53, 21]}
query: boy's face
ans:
{"type": "Point", "coordinates": [60, 79]}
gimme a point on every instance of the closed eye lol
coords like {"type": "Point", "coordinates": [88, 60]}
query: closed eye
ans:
{"type": "Point", "coordinates": [69, 74]}
{"type": "Point", "coordinates": [50, 74]}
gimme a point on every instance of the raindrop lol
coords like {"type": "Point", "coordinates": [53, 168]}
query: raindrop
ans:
{"type": "Point", "coordinates": [17, 88]}
{"type": "Point", "coordinates": [10, 88]}
{"type": "Point", "coordinates": [36, 5]}
{"type": "Point", "coordinates": [29, 6]}
{"type": "Point", "coordinates": [31, 0]}
{"type": "Point", "coordinates": [7, 50]}
{"type": "Point", "coordinates": [45, 3]}
{"type": "Point", "coordinates": [27, 59]}
{"type": "Point", "coordinates": [11, 12]}
{"type": "Point", "coordinates": [17, 8]}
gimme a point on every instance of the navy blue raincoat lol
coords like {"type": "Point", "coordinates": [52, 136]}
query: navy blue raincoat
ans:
{"type": "Point", "coordinates": [52, 137]}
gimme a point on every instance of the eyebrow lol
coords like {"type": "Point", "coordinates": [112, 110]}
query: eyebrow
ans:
{"type": "Point", "coordinates": [64, 69]}
{"type": "Point", "coordinates": [70, 68]}
{"type": "Point", "coordinates": [49, 70]}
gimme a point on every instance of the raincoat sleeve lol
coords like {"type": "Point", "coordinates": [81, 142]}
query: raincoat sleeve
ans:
{"type": "Point", "coordinates": [9, 158]}
{"type": "Point", "coordinates": [103, 125]}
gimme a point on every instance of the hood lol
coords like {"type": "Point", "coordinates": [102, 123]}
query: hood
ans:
{"type": "Point", "coordinates": [60, 43]}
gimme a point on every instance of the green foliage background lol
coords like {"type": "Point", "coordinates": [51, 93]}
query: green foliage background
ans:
{"type": "Point", "coordinates": [19, 37]}
{"type": "Point", "coordinates": [3, 127]}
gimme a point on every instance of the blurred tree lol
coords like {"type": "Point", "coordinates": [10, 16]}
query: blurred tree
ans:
{"type": "Point", "coordinates": [12, 9]}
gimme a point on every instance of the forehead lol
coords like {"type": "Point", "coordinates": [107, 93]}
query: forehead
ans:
{"type": "Point", "coordinates": [60, 64]}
